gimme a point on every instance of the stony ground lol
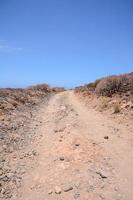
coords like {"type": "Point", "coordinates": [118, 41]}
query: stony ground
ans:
{"type": "Point", "coordinates": [17, 131]}
{"type": "Point", "coordinates": [71, 152]}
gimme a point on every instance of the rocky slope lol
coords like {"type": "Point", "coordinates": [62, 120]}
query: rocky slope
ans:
{"type": "Point", "coordinates": [113, 94]}
{"type": "Point", "coordinates": [17, 109]}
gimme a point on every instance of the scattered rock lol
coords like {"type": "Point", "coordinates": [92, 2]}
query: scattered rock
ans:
{"type": "Point", "coordinates": [94, 143]}
{"type": "Point", "coordinates": [77, 144]}
{"type": "Point", "coordinates": [34, 153]}
{"type": "Point", "coordinates": [58, 190]}
{"type": "Point", "coordinates": [50, 192]}
{"type": "Point", "coordinates": [4, 178]}
{"type": "Point", "coordinates": [101, 196]}
{"type": "Point", "coordinates": [68, 188]}
{"type": "Point", "coordinates": [62, 158]}
{"type": "Point", "coordinates": [17, 107]}
{"type": "Point", "coordinates": [106, 137]}
{"type": "Point", "coordinates": [116, 188]}
{"type": "Point", "coordinates": [1, 172]}
{"type": "Point", "coordinates": [63, 108]}
{"type": "Point", "coordinates": [76, 195]}
{"type": "Point", "coordinates": [102, 174]}
{"type": "Point", "coordinates": [4, 147]}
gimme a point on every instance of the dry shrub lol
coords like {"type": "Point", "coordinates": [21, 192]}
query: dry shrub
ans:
{"type": "Point", "coordinates": [115, 84]}
{"type": "Point", "coordinates": [10, 99]}
{"type": "Point", "coordinates": [80, 89]}
{"type": "Point", "coordinates": [92, 86]}
{"type": "Point", "coordinates": [104, 102]}
{"type": "Point", "coordinates": [110, 85]}
{"type": "Point", "coordinates": [13, 98]}
{"type": "Point", "coordinates": [58, 89]}
{"type": "Point", "coordinates": [41, 87]}
{"type": "Point", "coordinates": [117, 108]}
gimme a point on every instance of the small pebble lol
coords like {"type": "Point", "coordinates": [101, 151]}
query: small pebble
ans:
{"type": "Point", "coordinates": [77, 144]}
{"type": "Point", "coordinates": [68, 188]}
{"type": "Point", "coordinates": [102, 174]}
{"type": "Point", "coordinates": [62, 158]}
{"type": "Point", "coordinates": [57, 190]}
{"type": "Point", "coordinates": [50, 192]}
{"type": "Point", "coordinates": [76, 195]}
{"type": "Point", "coordinates": [106, 137]}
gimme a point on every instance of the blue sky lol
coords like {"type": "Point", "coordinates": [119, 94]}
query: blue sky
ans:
{"type": "Point", "coordinates": [64, 42]}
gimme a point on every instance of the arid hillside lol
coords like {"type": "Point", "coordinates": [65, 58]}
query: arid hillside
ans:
{"type": "Point", "coordinates": [112, 94]}
{"type": "Point", "coordinates": [11, 99]}
{"type": "Point", "coordinates": [75, 144]}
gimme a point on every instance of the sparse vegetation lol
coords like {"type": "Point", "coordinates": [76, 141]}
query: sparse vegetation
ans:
{"type": "Point", "coordinates": [110, 85]}
{"type": "Point", "coordinates": [112, 92]}
{"type": "Point", "coordinates": [115, 85]}
{"type": "Point", "coordinates": [117, 108]}
{"type": "Point", "coordinates": [10, 99]}
{"type": "Point", "coordinates": [24, 112]}
{"type": "Point", "coordinates": [103, 103]}
{"type": "Point", "coordinates": [92, 86]}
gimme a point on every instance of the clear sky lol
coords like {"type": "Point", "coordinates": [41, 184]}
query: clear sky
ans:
{"type": "Point", "coordinates": [64, 42]}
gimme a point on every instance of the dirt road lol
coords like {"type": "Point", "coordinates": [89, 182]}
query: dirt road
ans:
{"type": "Point", "coordinates": [79, 154]}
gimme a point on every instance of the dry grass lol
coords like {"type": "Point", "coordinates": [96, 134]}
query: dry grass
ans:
{"type": "Point", "coordinates": [109, 93]}
{"type": "Point", "coordinates": [115, 85]}
{"type": "Point", "coordinates": [110, 85]}
{"type": "Point", "coordinates": [117, 108]}
{"type": "Point", "coordinates": [104, 102]}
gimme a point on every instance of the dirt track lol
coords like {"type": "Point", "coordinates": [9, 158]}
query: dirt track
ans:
{"type": "Point", "coordinates": [78, 154]}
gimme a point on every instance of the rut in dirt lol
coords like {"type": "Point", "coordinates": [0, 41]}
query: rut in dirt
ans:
{"type": "Point", "coordinates": [74, 158]}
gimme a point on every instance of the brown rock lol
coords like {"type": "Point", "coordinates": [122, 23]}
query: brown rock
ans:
{"type": "Point", "coordinates": [57, 190]}
{"type": "Point", "coordinates": [68, 188]}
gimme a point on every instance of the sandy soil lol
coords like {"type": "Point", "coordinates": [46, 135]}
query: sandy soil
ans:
{"type": "Point", "coordinates": [77, 153]}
